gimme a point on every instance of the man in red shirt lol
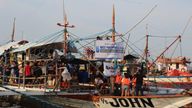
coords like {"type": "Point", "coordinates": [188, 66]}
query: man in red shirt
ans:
{"type": "Point", "coordinates": [27, 72]}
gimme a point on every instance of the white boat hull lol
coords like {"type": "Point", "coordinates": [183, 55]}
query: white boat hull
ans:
{"type": "Point", "coordinates": [143, 102]}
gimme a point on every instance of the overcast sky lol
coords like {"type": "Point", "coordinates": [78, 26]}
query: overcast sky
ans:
{"type": "Point", "coordinates": [36, 18]}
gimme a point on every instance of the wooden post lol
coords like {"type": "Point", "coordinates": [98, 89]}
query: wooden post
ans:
{"type": "Point", "coordinates": [113, 40]}
{"type": "Point", "coordinates": [45, 77]}
{"type": "Point", "coordinates": [23, 80]}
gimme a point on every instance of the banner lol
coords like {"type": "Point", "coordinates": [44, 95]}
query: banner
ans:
{"type": "Point", "coordinates": [108, 68]}
{"type": "Point", "coordinates": [106, 49]}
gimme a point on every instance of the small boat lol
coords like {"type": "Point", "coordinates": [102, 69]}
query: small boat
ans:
{"type": "Point", "coordinates": [177, 73]}
{"type": "Point", "coordinates": [184, 82]}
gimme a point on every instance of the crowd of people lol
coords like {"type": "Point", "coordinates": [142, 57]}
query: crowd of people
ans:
{"type": "Point", "coordinates": [14, 72]}
{"type": "Point", "coordinates": [124, 83]}
{"type": "Point", "coordinates": [129, 85]}
{"type": "Point", "coordinates": [121, 83]}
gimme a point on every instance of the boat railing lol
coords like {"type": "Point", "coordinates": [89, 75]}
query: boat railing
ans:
{"type": "Point", "coordinates": [42, 81]}
{"type": "Point", "coordinates": [48, 82]}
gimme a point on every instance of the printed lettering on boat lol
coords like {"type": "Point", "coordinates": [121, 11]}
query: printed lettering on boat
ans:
{"type": "Point", "coordinates": [126, 102]}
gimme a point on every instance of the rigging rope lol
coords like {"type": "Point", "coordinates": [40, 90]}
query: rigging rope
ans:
{"type": "Point", "coordinates": [83, 46]}
{"type": "Point", "coordinates": [141, 20]}
{"type": "Point", "coordinates": [174, 50]}
{"type": "Point", "coordinates": [162, 36]}
{"type": "Point", "coordinates": [181, 48]}
{"type": "Point", "coordinates": [186, 26]}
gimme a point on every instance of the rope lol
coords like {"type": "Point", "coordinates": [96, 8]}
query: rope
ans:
{"type": "Point", "coordinates": [186, 26]}
{"type": "Point", "coordinates": [180, 47]}
{"type": "Point", "coordinates": [174, 50]}
{"type": "Point", "coordinates": [162, 36]}
{"type": "Point", "coordinates": [141, 20]}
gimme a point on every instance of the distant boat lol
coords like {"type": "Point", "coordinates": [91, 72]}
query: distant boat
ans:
{"type": "Point", "coordinates": [176, 73]}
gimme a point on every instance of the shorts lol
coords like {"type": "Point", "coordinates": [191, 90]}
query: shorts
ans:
{"type": "Point", "coordinates": [125, 87]}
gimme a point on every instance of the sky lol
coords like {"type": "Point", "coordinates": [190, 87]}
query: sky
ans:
{"type": "Point", "coordinates": [37, 18]}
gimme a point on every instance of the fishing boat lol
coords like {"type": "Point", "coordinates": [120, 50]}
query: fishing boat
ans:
{"type": "Point", "coordinates": [154, 97]}
{"type": "Point", "coordinates": [110, 49]}
{"type": "Point", "coordinates": [175, 72]}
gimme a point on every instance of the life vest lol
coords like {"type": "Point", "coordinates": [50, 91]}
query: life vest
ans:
{"type": "Point", "coordinates": [125, 81]}
{"type": "Point", "coordinates": [118, 79]}
{"type": "Point", "coordinates": [134, 81]}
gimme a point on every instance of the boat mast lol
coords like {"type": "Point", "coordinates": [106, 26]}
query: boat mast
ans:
{"type": "Point", "coordinates": [65, 25]}
{"type": "Point", "coordinates": [113, 24]}
{"type": "Point", "coordinates": [146, 48]}
{"type": "Point", "coordinates": [13, 32]}
{"type": "Point", "coordinates": [113, 40]}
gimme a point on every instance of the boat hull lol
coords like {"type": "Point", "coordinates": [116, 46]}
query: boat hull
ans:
{"type": "Point", "coordinates": [183, 82]}
{"type": "Point", "coordinates": [143, 102]}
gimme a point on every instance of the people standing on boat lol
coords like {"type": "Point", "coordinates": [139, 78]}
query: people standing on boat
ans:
{"type": "Point", "coordinates": [27, 72]}
{"type": "Point", "coordinates": [7, 72]}
{"type": "Point", "coordinates": [66, 78]}
{"type": "Point", "coordinates": [139, 81]}
{"type": "Point", "coordinates": [125, 85]}
{"type": "Point", "coordinates": [37, 72]}
{"type": "Point", "coordinates": [14, 72]}
{"type": "Point", "coordinates": [118, 79]}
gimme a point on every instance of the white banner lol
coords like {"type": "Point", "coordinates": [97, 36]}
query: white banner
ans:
{"type": "Point", "coordinates": [108, 68]}
{"type": "Point", "coordinates": [106, 49]}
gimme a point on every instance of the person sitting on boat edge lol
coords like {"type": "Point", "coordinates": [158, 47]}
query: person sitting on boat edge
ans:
{"type": "Point", "coordinates": [125, 83]}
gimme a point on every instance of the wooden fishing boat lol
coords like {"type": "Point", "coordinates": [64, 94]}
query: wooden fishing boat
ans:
{"type": "Point", "coordinates": [168, 101]}
{"type": "Point", "coordinates": [147, 101]}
